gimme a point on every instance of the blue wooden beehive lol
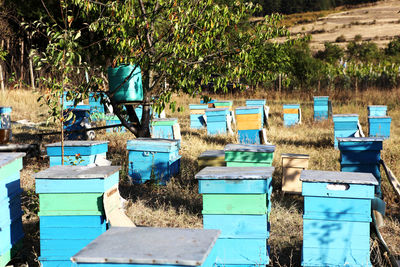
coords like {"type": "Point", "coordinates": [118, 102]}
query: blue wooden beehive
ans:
{"type": "Point", "coordinates": [11, 232]}
{"type": "Point", "coordinates": [244, 228]}
{"type": "Point", "coordinates": [361, 154]}
{"type": "Point", "coordinates": [337, 215]}
{"type": "Point", "coordinates": [77, 152]}
{"type": "Point", "coordinates": [377, 111]}
{"type": "Point", "coordinates": [71, 209]}
{"type": "Point", "coordinates": [321, 108]}
{"type": "Point", "coordinates": [216, 120]}
{"type": "Point", "coordinates": [165, 128]}
{"type": "Point", "coordinates": [345, 125]}
{"type": "Point", "coordinates": [249, 121]}
{"type": "Point", "coordinates": [257, 103]}
{"type": "Point", "coordinates": [112, 119]}
{"type": "Point", "coordinates": [379, 126]}
{"type": "Point", "coordinates": [197, 111]}
{"type": "Point", "coordinates": [291, 114]}
{"type": "Point", "coordinates": [147, 246]}
{"type": "Point", "coordinates": [153, 159]}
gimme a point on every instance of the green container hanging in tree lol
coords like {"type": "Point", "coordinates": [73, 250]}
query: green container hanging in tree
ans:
{"type": "Point", "coordinates": [132, 89]}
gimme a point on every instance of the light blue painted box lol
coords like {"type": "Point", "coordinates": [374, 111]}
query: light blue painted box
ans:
{"type": "Point", "coordinates": [153, 159]}
{"type": "Point", "coordinates": [321, 108]}
{"type": "Point", "coordinates": [361, 154]}
{"type": "Point", "coordinates": [291, 119]}
{"type": "Point", "coordinates": [196, 115]}
{"type": "Point", "coordinates": [216, 120]}
{"type": "Point", "coordinates": [249, 137]}
{"type": "Point", "coordinates": [257, 103]}
{"type": "Point", "coordinates": [377, 110]}
{"type": "Point", "coordinates": [164, 128]}
{"type": "Point", "coordinates": [379, 126]}
{"type": "Point", "coordinates": [147, 247]}
{"type": "Point", "coordinates": [77, 152]}
{"type": "Point", "coordinates": [345, 125]}
{"type": "Point", "coordinates": [5, 117]}
{"type": "Point", "coordinates": [337, 214]}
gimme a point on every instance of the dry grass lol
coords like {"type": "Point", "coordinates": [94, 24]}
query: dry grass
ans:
{"type": "Point", "coordinates": [178, 204]}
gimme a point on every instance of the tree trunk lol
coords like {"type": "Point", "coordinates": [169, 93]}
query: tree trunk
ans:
{"type": "Point", "coordinates": [21, 77]}
{"type": "Point", "coordinates": [32, 75]}
{"type": "Point", "coordinates": [1, 70]}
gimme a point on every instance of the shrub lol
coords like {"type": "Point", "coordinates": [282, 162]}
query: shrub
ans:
{"type": "Point", "coordinates": [340, 39]}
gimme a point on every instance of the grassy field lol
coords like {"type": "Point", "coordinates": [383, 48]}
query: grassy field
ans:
{"type": "Point", "coordinates": [178, 204]}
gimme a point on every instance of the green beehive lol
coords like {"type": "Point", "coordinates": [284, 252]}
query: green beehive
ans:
{"type": "Point", "coordinates": [248, 155]}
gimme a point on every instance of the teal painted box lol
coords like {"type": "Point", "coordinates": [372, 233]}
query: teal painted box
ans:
{"type": "Point", "coordinates": [165, 128]}
{"type": "Point", "coordinates": [337, 214]}
{"type": "Point", "coordinates": [345, 125]}
{"type": "Point", "coordinates": [379, 126]}
{"type": "Point", "coordinates": [377, 110]}
{"type": "Point", "coordinates": [216, 120]}
{"type": "Point", "coordinates": [77, 152]}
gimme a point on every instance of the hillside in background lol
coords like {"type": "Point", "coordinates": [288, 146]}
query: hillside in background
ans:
{"type": "Point", "coordinates": [378, 23]}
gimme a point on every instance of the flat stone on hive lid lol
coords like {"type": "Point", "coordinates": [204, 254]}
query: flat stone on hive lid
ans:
{"type": "Point", "coordinates": [250, 148]}
{"type": "Point", "coordinates": [6, 158]}
{"type": "Point", "coordinates": [235, 173]}
{"type": "Point", "coordinates": [147, 245]}
{"type": "Point", "coordinates": [338, 177]}
{"type": "Point", "coordinates": [78, 143]}
{"type": "Point", "coordinates": [77, 172]}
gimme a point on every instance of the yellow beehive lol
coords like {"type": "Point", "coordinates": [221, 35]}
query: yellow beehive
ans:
{"type": "Point", "coordinates": [248, 121]}
{"type": "Point", "coordinates": [292, 165]}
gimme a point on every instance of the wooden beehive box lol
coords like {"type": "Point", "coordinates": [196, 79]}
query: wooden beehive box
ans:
{"type": "Point", "coordinates": [153, 159]}
{"type": "Point", "coordinates": [377, 110]}
{"type": "Point", "coordinates": [321, 107]}
{"type": "Point", "coordinates": [211, 158]}
{"type": "Point", "coordinates": [224, 104]}
{"type": "Point", "coordinates": [379, 126]}
{"type": "Point", "coordinates": [77, 152]}
{"type": "Point", "coordinates": [165, 128]}
{"type": "Point", "coordinates": [291, 114]}
{"type": "Point", "coordinates": [146, 246]}
{"type": "Point", "coordinates": [292, 166]}
{"type": "Point", "coordinates": [197, 111]}
{"type": "Point", "coordinates": [257, 103]}
{"type": "Point", "coordinates": [337, 214]}
{"type": "Point", "coordinates": [11, 231]}
{"type": "Point", "coordinates": [361, 154]}
{"type": "Point", "coordinates": [249, 121]}
{"type": "Point", "coordinates": [242, 155]}
{"type": "Point", "coordinates": [71, 209]}
{"type": "Point", "coordinates": [236, 200]}
{"type": "Point", "coordinates": [216, 120]}
{"type": "Point", "coordinates": [345, 125]}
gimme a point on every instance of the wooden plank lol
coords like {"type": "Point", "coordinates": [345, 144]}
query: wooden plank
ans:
{"type": "Point", "coordinates": [234, 203]}
{"type": "Point", "coordinates": [291, 111]}
{"type": "Point", "coordinates": [238, 226]}
{"type": "Point", "coordinates": [71, 221]}
{"type": "Point", "coordinates": [243, 156]}
{"type": "Point", "coordinates": [153, 144]}
{"type": "Point", "coordinates": [291, 180]}
{"type": "Point", "coordinates": [342, 190]}
{"type": "Point", "coordinates": [77, 172]}
{"type": "Point", "coordinates": [71, 213]}
{"type": "Point", "coordinates": [71, 202]}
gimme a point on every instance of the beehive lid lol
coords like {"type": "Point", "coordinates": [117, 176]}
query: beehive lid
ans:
{"type": "Point", "coordinates": [376, 106]}
{"type": "Point", "coordinates": [338, 177]}
{"type": "Point", "coordinates": [147, 245]}
{"type": "Point", "coordinates": [153, 144]}
{"type": "Point", "coordinates": [164, 121]}
{"type": "Point", "coordinates": [77, 172]}
{"type": "Point", "coordinates": [250, 148]}
{"type": "Point", "coordinates": [78, 143]}
{"type": "Point", "coordinates": [379, 117]}
{"type": "Point", "coordinates": [235, 173]}
{"type": "Point", "coordinates": [249, 107]}
{"type": "Point", "coordinates": [212, 154]}
{"type": "Point", "coordinates": [345, 115]}
{"type": "Point", "coordinates": [6, 158]}
{"type": "Point", "coordinates": [321, 97]}
{"type": "Point", "coordinates": [215, 109]}
{"type": "Point", "coordinates": [297, 156]}
{"type": "Point", "coordinates": [5, 109]}
{"type": "Point", "coordinates": [360, 139]}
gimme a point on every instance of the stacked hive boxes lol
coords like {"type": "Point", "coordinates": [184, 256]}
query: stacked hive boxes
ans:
{"type": "Point", "coordinates": [146, 246]}
{"type": "Point", "coordinates": [378, 122]}
{"type": "Point", "coordinates": [257, 103]}
{"type": "Point", "coordinates": [196, 115]}
{"type": "Point", "coordinates": [361, 154]}
{"type": "Point", "coordinates": [337, 216]}
{"type": "Point", "coordinates": [11, 232]}
{"type": "Point", "coordinates": [153, 159]}
{"type": "Point", "coordinates": [71, 209]}
{"type": "Point", "coordinates": [321, 108]}
{"type": "Point", "coordinates": [249, 155]}
{"type": "Point", "coordinates": [224, 104]}
{"type": "Point", "coordinates": [166, 128]}
{"type": "Point", "coordinates": [112, 119]}
{"type": "Point", "coordinates": [235, 200]}
{"type": "Point", "coordinates": [291, 114]}
{"type": "Point", "coordinates": [345, 125]}
{"type": "Point", "coordinates": [5, 124]}
{"type": "Point", "coordinates": [211, 158]}
{"type": "Point", "coordinates": [77, 152]}
{"type": "Point", "coordinates": [216, 120]}
{"type": "Point", "coordinates": [292, 166]}
{"type": "Point", "coordinates": [249, 124]}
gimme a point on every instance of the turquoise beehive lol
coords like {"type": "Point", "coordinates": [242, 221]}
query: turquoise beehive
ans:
{"type": "Point", "coordinates": [377, 110]}
{"type": "Point", "coordinates": [345, 125]}
{"type": "Point", "coordinates": [321, 108]}
{"type": "Point", "coordinates": [336, 219]}
{"type": "Point", "coordinates": [216, 120]}
{"type": "Point", "coordinates": [379, 126]}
